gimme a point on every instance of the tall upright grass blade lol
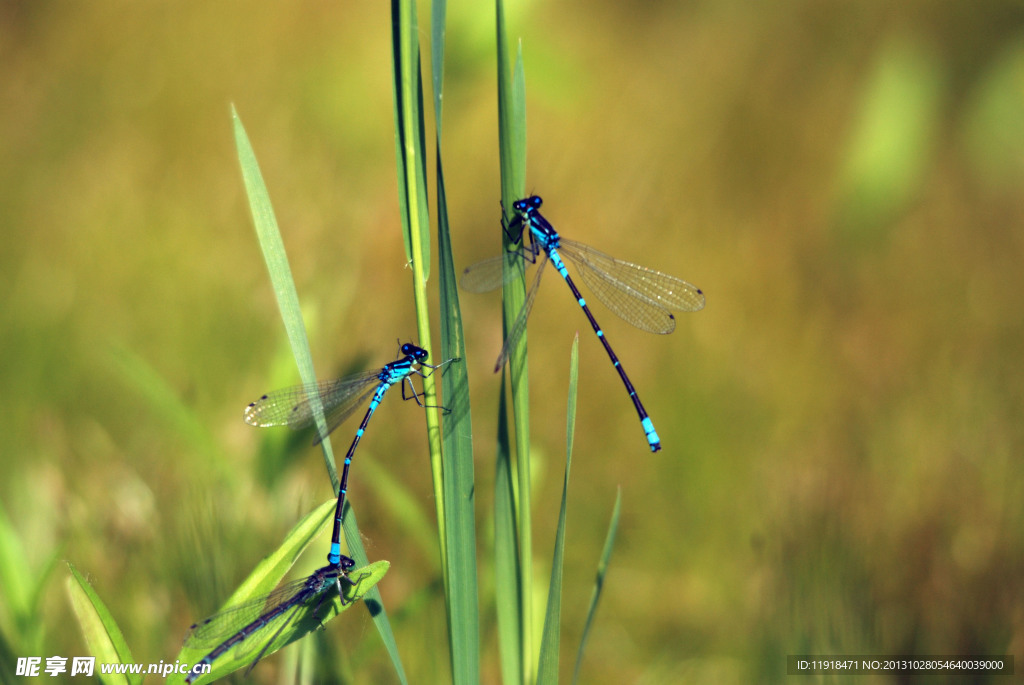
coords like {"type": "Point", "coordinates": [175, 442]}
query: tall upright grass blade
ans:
{"type": "Point", "coordinates": [507, 586]}
{"type": "Point", "coordinates": [280, 272]}
{"type": "Point", "coordinates": [16, 580]}
{"type": "Point", "coordinates": [602, 569]}
{"type": "Point", "coordinates": [409, 140]}
{"type": "Point", "coordinates": [511, 115]}
{"type": "Point", "coordinates": [458, 472]}
{"type": "Point", "coordinates": [23, 588]}
{"type": "Point", "coordinates": [570, 427]}
{"type": "Point", "coordinates": [288, 303]}
{"type": "Point", "coordinates": [452, 460]}
{"type": "Point", "coordinates": [102, 635]}
{"type": "Point", "coordinates": [547, 667]}
{"type": "Point", "coordinates": [438, 19]}
{"type": "Point", "coordinates": [462, 592]}
{"type": "Point", "coordinates": [512, 148]}
{"type": "Point", "coordinates": [408, 92]}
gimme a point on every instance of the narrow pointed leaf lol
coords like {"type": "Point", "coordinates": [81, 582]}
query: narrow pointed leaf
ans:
{"type": "Point", "coordinates": [507, 589]}
{"type": "Point", "coordinates": [512, 149]}
{"type": "Point", "coordinates": [103, 637]}
{"type": "Point", "coordinates": [602, 569]}
{"type": "Point", "coordinates": [547, 669]}
{"type": "Point", "coordinates": [284, 290]}
{"type": "Point", "coordinates": [462, 592]}
{"type": "Point", "coordinates": [280, 276]}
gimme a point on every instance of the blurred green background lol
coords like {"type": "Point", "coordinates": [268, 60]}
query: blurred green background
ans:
{"type": "Point", "coordinates": [842, 423]}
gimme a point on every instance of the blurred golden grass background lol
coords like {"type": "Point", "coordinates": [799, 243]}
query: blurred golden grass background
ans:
{"type": "Point", "coordinates": [842, 423]}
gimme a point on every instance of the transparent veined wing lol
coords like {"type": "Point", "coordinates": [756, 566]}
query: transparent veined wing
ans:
{"type": "Point", "coordinates": [519, 325]}
{"type": "Point", "coordinates": [293, 406]}
{"type": "Point", "coordinates": [212, 631]}
{"type": "Point", "coordinates": [640, 296]}
{"type": "Point", "coordinates": [488, 275]}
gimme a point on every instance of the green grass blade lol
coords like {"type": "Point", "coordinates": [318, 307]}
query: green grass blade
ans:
{"type": "Point", "coordinates": [411, 150]}
{"type": "Point", "coordinates": [507, 590]}
{"type": "Point", "coordinates": [458, 471]}
{"type": "Point", "coordinates": [511, 116]}
{"type": "Point", "coordinates": [547, 668]}
{"type": "Point", "coordinates": [16, 580]}
{"type": "Point", "coordinates": [280, 272]}
{"type": "Point", "coordinates": [102, 635]}
{"type": "Point", "coordinates": [570, 428]}
{"type": "Point", "coordinates": [399, 109]}
{"type": "Point", "coordinates": [459, 486]}
{"type": "Point", "coordinates": [284, 290]}
{"type": "Point", "coordinates": [512, 149]}
{"type": "Point", "coordinates": [408, 91]}
{"type": "Point", "coordinates": [438, 12]}
{"type": "Point", "coordinates": [33, 627]}
{"type": "Point", "coordinates": [23, 589]}
{"type": "Point", "coordinates": [602, 569]}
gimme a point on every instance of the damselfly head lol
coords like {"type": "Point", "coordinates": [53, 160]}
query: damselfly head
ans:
{"type": "Point", "coordinates": [414, 351]}
{"type": "Point", "coordinates": [527, 203]}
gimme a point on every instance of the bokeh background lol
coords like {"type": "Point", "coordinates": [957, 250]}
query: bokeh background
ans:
{"type": "Point", "coordinates": [842, 423]}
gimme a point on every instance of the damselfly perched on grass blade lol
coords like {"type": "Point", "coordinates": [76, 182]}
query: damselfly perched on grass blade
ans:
{"type": "Point", "coordinates": [643, 297]}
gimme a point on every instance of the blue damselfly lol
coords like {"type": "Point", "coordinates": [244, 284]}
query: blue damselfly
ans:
{"type": "Point", "coordinates": [294, 407]}
{"type": "Point", "coordinates": [643, 297]}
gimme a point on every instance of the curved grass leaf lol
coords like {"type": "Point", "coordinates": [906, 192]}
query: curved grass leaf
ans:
{"type": "Point", "coordinates": [16, 580]}
{"type": "Point", "coordinates": [458, 474]}
{"type": "Point", "coordinates": [602, 569]}
{"type": "Point", "coordinates": [507, 590]}
{"type": "Point", "coordinates": [512, 148]}
{"type": "Point", "coordinates": [462, 591]}
{"type": "Point", "coordinates": [280, 273]}
{"type": "Point", "coordinates": [23, 589]}
{"type": "Point", "coordinates": [411, 155]}
{"type": "Point", "coordinates": [547, 668]}
{"type": "Point", "coordinates": [459, 487]}
{"type": "Point", "coordinates": [287, 299]}
{"type": "Point", "coordinates": [102, 635]}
